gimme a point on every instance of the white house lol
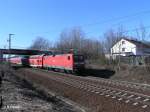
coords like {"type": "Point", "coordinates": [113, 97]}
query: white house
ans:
{"type": "Point", "coordinates": [127, 47]}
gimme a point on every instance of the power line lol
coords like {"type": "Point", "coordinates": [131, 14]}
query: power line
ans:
{"type": "Point", "coordinates": [118, 18]}
{"type": "Point", "coordinates": [105, 21]}
{"type": "Point", "coordinates": [135, 29]}
{"type": "Point", "coordinates": [130, 30]}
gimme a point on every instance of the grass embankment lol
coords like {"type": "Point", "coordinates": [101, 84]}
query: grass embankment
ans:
{"type": "Point", "coordinates": [139, 74]}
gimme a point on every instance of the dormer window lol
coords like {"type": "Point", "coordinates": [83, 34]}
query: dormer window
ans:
{"type": "Point", "coordinates": [123, 42]}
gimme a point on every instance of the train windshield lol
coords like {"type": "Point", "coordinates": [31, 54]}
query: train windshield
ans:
{"type": "Point", "coordinates": [78, 58]}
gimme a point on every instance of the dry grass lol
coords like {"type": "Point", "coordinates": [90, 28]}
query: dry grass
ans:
{"type": "Point", "coordinates": [138, 74]}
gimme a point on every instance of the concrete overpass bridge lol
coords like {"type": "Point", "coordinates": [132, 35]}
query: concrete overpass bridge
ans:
{"type": "Point", "coordinates": [21, 52]}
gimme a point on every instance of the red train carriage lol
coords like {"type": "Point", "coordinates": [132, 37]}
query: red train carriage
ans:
{"type": "Point", "coordinates": [15, 60]}
{"type": "Point", "coordinates": [36, 61]}
{"type": "Point", "coordinates": [20, 60]}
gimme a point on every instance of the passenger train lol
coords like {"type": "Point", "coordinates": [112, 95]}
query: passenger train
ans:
{"type": "Point", "coordinates": [68, 62]}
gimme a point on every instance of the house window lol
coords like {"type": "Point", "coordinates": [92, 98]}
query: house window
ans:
{"type": "Point", "coordinates": [123, 42]}
{"type": "Point", "coordinates": [123, 49]}
{"type": "Point", "coordinates": [112, 50]}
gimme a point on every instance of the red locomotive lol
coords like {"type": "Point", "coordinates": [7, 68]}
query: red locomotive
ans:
{"type": "Point", "coordinates": [68, 62]}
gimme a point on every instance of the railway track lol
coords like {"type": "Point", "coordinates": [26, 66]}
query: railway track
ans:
{"type": "Point", "coordinates": [122, 83]}
{"type": "Point", "coordinates": [135, 87]}
{"type": "Point", "coordinates": [127, 96]}
{"type": "Point", "coordinates": [130, 93]}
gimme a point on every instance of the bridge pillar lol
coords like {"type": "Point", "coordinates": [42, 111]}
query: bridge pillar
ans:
{"type": "Point", "coordinates": [1, 56]}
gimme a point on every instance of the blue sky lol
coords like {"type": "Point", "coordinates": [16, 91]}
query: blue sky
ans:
{"type": "Point", "coordinates": [28, 19]}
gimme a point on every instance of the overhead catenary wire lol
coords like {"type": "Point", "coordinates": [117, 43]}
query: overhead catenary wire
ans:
{"type": "Point", "coordinates": [130, 30]}
{"type": "Point", "coordinates": [121, 18]}
{"type": "Point", "coordinates": [118, 18]}
{"type": "Point", "coordinates": [107, 21]}
{"type": "Point", "coordinates": [135, 29]}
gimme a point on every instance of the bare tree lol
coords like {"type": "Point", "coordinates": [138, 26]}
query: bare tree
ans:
{"type": "Point", "coordinates": [75, 39]}
{"type": "Point", "coordinates": [71, 39]}
{"type": "Point", "coordinates": [112, 36]}
{"type": "Point", "coordinates": [41, 43]}
{"type": "Point", "coordinates": [142, 33]}
{"type": "Point", "coordinates": [93, 49]}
